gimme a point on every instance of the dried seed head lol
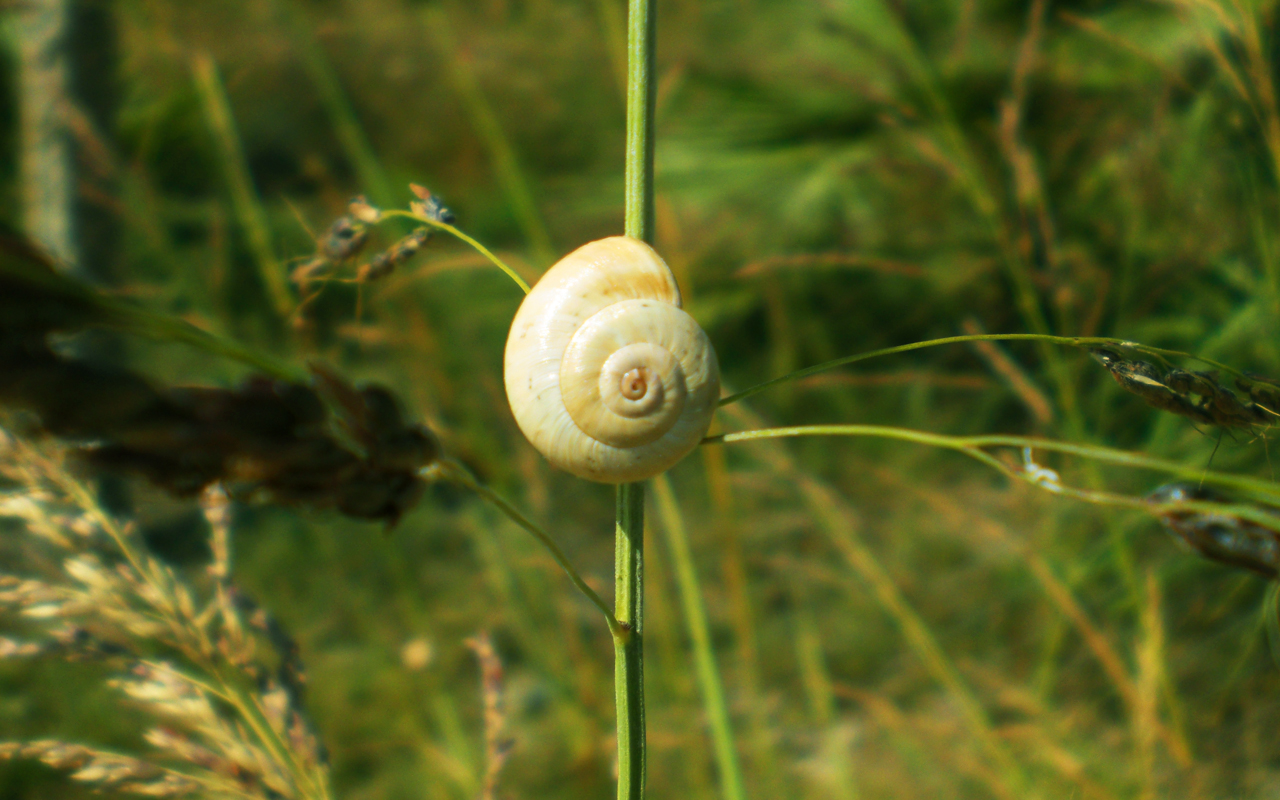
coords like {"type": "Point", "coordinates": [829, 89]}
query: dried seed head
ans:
{"type": "Point", "coordinates": [385, 262]}
{"type": "Point", "coordinates": [362, 210]}
{"type": "Point", "coordinates": [1219, 536]}
{"type": "Point", "coordinates": [429, 205]}
{"type": "Point", "coordinates": [345, 237]}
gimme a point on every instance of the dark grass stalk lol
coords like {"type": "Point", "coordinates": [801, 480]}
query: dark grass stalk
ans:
{"type": "Point", "coordinates": [695, 615]}
{"type": "Point", "coordinates": [68, 304]}
{"type": "Point", "coordinates": [628, 673]}
{"type": "Point", "coordinates": [1258, 56]}
{"type": "Point", "coordinates": [1029, 219]}
{"type": "Point", "coordinates": [244, 197]}
{"type": "Point", "coordinates": [1258, 68]}
{"type": "Point", "coordinates": [120, 315]}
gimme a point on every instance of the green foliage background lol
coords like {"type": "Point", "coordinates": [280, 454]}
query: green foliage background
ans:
{"type": "Point", "coordinates": [833, 177]}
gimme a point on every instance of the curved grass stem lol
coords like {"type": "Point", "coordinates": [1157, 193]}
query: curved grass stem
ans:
{"type": "Point", "coordinates": [450, 470]}
{"type": "Point", "coordinates": [1067, 341]}
{"type": "Point", "coordinates": [395, 213]}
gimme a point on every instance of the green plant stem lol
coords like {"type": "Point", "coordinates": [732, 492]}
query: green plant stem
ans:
{"type": "Point", "coordinates": [628, 673]}
{"type": "Point", "coordinates": [695, 615]}
{"type": "Point", "coordinates": [641, 94]}
{"type": "Point", "coordinates": [1069, 341]}
{"type": "Point", "coordinates": [244, 198]}
{"type": "Point", "coordinates": [450, 470]}
{"type": "Point", "coordinates": [628, 648]}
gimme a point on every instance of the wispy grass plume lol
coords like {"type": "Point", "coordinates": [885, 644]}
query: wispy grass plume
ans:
{"type": "Point", "coordinates": [219, 677]}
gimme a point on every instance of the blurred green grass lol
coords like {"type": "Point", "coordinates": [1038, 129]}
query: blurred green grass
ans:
{"type": "Point", "coordinates": [832, 177]}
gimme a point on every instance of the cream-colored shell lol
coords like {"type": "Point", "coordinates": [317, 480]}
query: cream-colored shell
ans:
{"type": "Point", "coordinates": [606, 375]}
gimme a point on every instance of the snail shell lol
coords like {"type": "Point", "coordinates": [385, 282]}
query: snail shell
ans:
{"type": "Point", "coordinates": [606, 375]}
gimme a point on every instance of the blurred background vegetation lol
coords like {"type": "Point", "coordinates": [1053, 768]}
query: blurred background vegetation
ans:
{"type": "Point", "coordinates": [834, 176]}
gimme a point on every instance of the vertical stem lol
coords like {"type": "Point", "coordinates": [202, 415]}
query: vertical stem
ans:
{"type": "Point", "coordinates": [628, 687]}
{"type": "Point", "coordinates": [628, 648]}
{"type": "Point", "coordinates": [641, 19]}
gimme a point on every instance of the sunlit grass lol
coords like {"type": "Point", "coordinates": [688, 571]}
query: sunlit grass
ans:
{"type": "Point", "coordinates": [887, 620]}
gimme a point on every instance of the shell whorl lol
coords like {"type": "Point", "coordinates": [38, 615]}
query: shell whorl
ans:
{"type": "Point", "coordinates": [606, 375]}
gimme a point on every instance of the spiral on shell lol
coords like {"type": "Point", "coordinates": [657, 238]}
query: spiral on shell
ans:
{"type": "Point", "coordinates": [606, 375]}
